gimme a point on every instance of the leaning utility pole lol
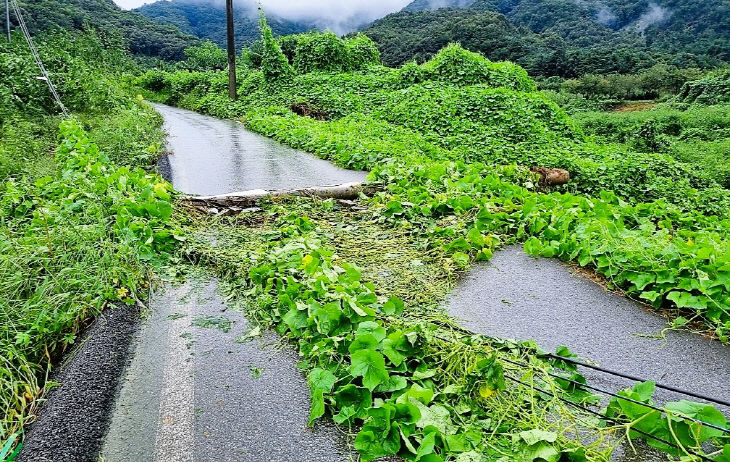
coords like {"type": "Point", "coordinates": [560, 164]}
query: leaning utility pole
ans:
{"type": "Point", "coordinates": [231, 51]}
{"type": "Point", "coordinates": [7, 18]}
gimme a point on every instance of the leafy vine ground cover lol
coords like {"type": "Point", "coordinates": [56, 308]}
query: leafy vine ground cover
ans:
{"type": "Point", "coordinates": [437, 137]}
{"type": "Point", "coordinates": [82, 224]}
{"type": "Point", "coordinates": [652, 225]}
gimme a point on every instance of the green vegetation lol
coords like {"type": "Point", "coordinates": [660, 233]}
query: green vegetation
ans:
{"type": "Point", "coordinates": [449, 144]}
{"type": "Point", "coordinates": [207, 20]}
{"type": "Point", "coordinates": [139, 35]}
{"type": "Point", "coordinates": [449, 141]}
{"type": "Point", "coordinates": [697, 136]}
{"type": "Point", "coordinates": [81, 224]}
{"type": "Point", "coordinates": [563, 37]}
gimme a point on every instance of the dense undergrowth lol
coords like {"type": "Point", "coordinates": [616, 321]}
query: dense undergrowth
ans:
{"type": "Point", "coordinates": [653, 225]}
{"type": "Point", "coordinates": [442, 138]}
{"type": "Point", "coordinates": [81, 223]}
{"type": "Point", "coordinates": [397, 371]}
{"type": "Point", "coordinates": [698, 136]}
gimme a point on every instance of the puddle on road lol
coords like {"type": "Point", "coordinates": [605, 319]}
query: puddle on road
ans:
{"type": "Point", "coordinates": [214, 156]}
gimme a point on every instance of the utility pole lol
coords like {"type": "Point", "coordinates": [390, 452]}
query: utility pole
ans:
{"type": "Point", "coordinates": [7, 18]}
{"type": "Point", "coordinates": [231, 51]}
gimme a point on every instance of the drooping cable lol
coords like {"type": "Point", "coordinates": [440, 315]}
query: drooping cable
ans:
{"type": "Point", "coordinates": [36, 56]}
{"type": "Point", "coordinates": [610, 419]}
{"type": "Point", "coordinates": [639, 379]}
{"type": "Point", "coordinates": [586, 387]}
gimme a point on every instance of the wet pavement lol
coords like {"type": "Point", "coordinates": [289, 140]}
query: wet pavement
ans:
{"type": "Point", "coordinates": [519, 297]}
{"type": "Point", "coordinates": [197, 391]}
{"type": "Point", "coordinates": [210, 156]}
{"type": "Point", "coordinates": [516, 296]}
{"type": "Point", "coordinates": [193, 391]}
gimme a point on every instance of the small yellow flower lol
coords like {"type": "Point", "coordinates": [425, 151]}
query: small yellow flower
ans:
{"type": "Point", "coordinates": [122, 292]}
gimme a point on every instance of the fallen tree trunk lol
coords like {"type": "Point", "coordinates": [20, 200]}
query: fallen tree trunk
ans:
{"type": "Point", "coordinates": [240, 202]}
{"type": "Point", "coordinates": [552, 176]}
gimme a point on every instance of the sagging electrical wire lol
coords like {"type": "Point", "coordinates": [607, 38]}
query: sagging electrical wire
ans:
{"type": "Point", "coordinates": [36, 56]}
{"type": "Point", "coordinates": [610, 419]}
{"type": "Point", "coordinates": [585, 386]}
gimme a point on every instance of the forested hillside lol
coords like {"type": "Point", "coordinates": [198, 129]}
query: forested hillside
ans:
{"type": "Point", "coordinates": [563, 37]}
{"type": "Point", "coordinates": [140, 35]}
{"type": "Point", "coordinates": [209, 21]}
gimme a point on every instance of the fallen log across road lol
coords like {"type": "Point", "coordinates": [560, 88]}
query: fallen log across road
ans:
{"type": "Point", "coordinates": [246, 201]}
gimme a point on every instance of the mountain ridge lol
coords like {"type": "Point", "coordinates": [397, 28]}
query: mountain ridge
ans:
{"type": "Point", "coordinates": [562, 37]}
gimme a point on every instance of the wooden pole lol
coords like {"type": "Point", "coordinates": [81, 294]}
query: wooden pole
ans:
{"type": "Point", "coordinates": [231, 50]}
{"type": "Point", "coordinates": [7, 18]}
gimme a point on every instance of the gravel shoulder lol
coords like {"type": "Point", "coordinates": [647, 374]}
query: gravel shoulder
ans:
{"type": "Point", "coordinates": [73, 421]}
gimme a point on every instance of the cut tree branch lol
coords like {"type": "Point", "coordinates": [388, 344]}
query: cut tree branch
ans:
{"type": "Point", "coordinates": [240, 202]}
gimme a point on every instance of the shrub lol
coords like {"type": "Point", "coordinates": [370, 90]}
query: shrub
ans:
{"type": "Point", "coordinates": [456, 65]}
{"type": "Point", "coordinates": [713, 89]}
{"type": "Point", "coordinates": [274, 64]}
{"type": "Point", "coordinates": [363, 51]}
{"type": "Point", "coordinates": [322, 52]}
{"type": "Point", "coordinates": [288, 45]}
{"type": "Point", "coordinates": [410, 74]}
{"type": "Point", "coordinates": [207, 56]}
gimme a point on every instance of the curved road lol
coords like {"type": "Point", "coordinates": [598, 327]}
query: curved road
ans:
{"type": "Point", "coordinates": [192, 392]}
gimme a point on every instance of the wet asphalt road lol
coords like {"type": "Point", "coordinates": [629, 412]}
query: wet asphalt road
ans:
{"type": "Point", "coordinates": [519, 297]}
{"type": "Point", "coordinates": [516, 296]}
{"type": "Point", "coordinates": [213, 156]}
{"type": "Point", "coordinates": [193, 393]}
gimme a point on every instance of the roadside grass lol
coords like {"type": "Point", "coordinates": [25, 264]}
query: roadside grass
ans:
{"type": "Point", "coordinates": [72, 240]}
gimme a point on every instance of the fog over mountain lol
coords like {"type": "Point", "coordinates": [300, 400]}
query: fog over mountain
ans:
{"type": "Point", "coordinates": [340, 16]}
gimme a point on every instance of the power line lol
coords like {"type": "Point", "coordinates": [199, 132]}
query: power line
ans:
{"type": "Point", "coordinates": [638, 379]}
{"type": "Point", "coordinates": [671, 388]}
{"type": "Point", "coordinates": [610, 419]}
{"type": "Point", "coordinates": [617, 396]}
{"type": "Point", "coordinates": [37, 57]}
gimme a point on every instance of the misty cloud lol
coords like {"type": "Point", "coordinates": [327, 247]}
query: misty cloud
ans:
{"type": "Point", "coordinates": [605, 16]}
{"type": "Point", "coordinates": [436, 4]}
{"type": "Point", "coordinates": [341, 16]}
{"type": "Point", "coordinates": [654, 15]}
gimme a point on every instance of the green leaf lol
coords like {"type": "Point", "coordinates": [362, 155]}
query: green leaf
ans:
{"type": "Point", "coordinates": [373, 328]}
{"type": "Point", "coordinates": [295, 319]}
{"type": "Point", "coordinates": [317, 409]}
{"type": "Point", "coordinates": [364, 342]}
{"type": "Point", "coordinates": [321, 379]}
{"type": "Point", "coordinates": [461, 259]}
{"type": "Point", "coordinates": [531, 437]}
{"type": "Point", "coordinates": [372, 445]}
{"type": "Point", "coordinates": [394, 383]}
{"type": "Point", "coordinates": [533, 247]}
{"type": "Point", "coordinates": [687, 300]}
{"type": "Point", "coordinates": [393, 307]}
{"type": "Point", "coordinates": [370, 365]}
{"type": "Point", "coordinates": [397, 347]}
{"type": "Point", "coordinates": [475, 237]}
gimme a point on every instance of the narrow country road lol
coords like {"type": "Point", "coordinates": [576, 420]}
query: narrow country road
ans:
{"type": "Point", "coordinates": [519, 297]}
{"type": "Point", "coordinates": [192, 392]}
{"type": "Point", "coordinates": [212, 156]}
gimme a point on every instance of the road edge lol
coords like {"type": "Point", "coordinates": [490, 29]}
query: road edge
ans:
{"type": "Point", "coordinates": [73, 421]}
